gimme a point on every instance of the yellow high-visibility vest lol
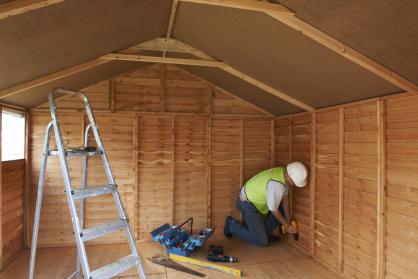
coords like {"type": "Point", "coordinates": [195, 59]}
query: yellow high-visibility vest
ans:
{"type": "Point", "coordinates": [256, 187]}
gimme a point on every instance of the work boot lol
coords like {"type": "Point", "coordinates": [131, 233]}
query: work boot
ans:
{"type": "Point", "coordinates": [273, 238]}
{"type": "Point", "coordinates": [227, 226]}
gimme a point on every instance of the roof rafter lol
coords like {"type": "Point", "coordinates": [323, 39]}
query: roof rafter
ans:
{"type": "Point", "coordinates": [20, 7]}
{"type": "Point", "coordinates": [205, 63]}
{"type": "Point", "coordinates": [251, 5]}
{"type": "Point", "coordinates": [171, 45]}
{"type": "Point", "coordinates": [315, 34]}
{"type": "Point", "coordinates": [50, 78]}
{"type": "Point", "coordinates": [162, 60]}
{"type": "Point", "coordinates": [171, 21]}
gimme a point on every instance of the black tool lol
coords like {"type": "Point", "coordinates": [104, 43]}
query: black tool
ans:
{"type": "Point", "coordinates": [216, 254]}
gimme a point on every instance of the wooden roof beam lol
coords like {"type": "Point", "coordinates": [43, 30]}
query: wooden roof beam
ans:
{"type": "Point", "coordinates": [209, 63]}
{"type": "Point", "coordinates": [171, 21]}
{"type": "Point", "coordinates": [22, 6]}
{"type": "Point", "coordinates": [162, 60]}
{"type": "Point", "coordinates": [172, 45]}
{"type": "Point", "coordinates": [251, 5]}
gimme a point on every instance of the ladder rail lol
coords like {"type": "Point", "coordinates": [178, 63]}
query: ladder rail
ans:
{"type": "Point", "coordinates": [78, 219]}
{"type": "Point", "coordinates": [83, 186]}
{"type": "Point", "coordinates": [41, 180]}
{"type": "Point", "coordinates": [111, 180]}
{"type": "Point", "coordinates": [67, 183]}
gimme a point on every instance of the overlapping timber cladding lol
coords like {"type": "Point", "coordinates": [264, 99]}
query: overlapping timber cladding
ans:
{"type": "Point", "coordinates": [194, 97]}
{"type": "Point", "coordinates": [180, 147]}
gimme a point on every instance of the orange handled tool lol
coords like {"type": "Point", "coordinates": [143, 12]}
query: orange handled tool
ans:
{"type": "Point", "coordinates": [295, 226]}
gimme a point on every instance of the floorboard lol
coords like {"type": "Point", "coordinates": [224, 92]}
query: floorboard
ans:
{"type": "Point", "coordinates": [279, 260]}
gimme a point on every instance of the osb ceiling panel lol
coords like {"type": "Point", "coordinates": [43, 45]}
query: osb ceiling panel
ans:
{"type": "Point", "coordinates": [263, 48]}
{"type": "Point", "coordinates": [57, 37]}
{"type": "Point", "coordinates": [39, 95]}
{"type": "Point", "coordinates": [244, 90]}
{"type": "Point", "coordinates": [386, 31]}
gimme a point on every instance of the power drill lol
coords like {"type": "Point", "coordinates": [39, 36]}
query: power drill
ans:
{"type": "Point", "coordinates": [295, 227]}
{"type": "Point", "coordinates": [216, 254]}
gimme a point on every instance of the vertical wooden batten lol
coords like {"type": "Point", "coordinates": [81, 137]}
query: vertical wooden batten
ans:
{"type": "Point", "coordinates": [208, 171]}
{"type": "Point", "coordinates": [313, 182]}
{"type": "Point", "coordinates": [135, 168]}
{"type": "Point", "coordinates": [272, 145]}
{"type": "Point", "coordinates": [290, 160]}
{"type": "Point", "coordinates": [173, 163]}
{"type": "Point", "coordinates": [381, 189]}
{"type": "Point", "coordinates": [210, 100]}
{"type": "Point", "coordinates": [1, 190]}
{"type": "Point", "coordinates": [112, 87]}
{"type": "Point", "coordinates": [26, 222]}
{"type": "Point", "coordinates": [241, 160]}
{"type": "Point", "coordinates": [163, 85]}
{"type": "Point", "coordinates": [341, 192]}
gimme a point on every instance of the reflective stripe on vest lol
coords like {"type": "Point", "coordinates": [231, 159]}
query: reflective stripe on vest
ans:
{"type": "Point", "coordinates": [256, 187]}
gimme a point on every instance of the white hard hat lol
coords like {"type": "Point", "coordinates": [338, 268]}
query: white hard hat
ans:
{"type": "Point", "coordinates": [298, 173]}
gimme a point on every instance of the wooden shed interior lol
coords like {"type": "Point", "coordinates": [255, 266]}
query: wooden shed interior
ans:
{"type": "Point", "coordinates": [193, 98]}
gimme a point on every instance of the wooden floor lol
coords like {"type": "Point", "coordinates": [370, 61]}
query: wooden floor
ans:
{"type": "Point", "coordinates": [279, 260]}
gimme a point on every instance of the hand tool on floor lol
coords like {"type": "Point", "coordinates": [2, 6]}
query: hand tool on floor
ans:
{"type": "Point", "coordinates": [167, 262]}
{"type": "Point", "coordinates": [217, 267]}
{"type": "Point", "coordinates": [216, 254]}
{"type": "Point", "coordinates": [177, 241]}
{"type": "Point", "coordinates": [295, 226]}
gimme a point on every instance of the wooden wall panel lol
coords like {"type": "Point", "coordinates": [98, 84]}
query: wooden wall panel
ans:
{"type": "Point", "coordinates": [117, 133]}
{"type": "Point", "coordinates": [301, 151]}
{"type": "Point", "coordinates": [402, 188]}
{"type": "Point", "coordinates": [185, 93]}
{"type": "Point", "coordinates": [98, 95]}
{"type": "Point", "coordinates": [360, 177]}
{"type": "Point", "coordinates": [257, 147]}
{"type": "Point", "coordinates": [190, 185]}
{"type": "Point", "coordinates": [155, 175]}
{"type": "Point", "coordinates": [282, 140]}
{"type": "Point", "coordinates": [13, 180]}
{"type": "Point", "coordinates": [161, 162]}
{"type": "Point", "coordinates": [228, 104]}
{"type": "Point", "coordinates": [138, 90]}
{"type": "Point", "coordinates": [55, 226]}
{"type": "Point", "coordinates": [327, 177]}
{"type": "Point", "coordinates": [225, 169]}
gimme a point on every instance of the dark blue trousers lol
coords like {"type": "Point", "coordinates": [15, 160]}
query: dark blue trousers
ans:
{"type": "Point", "coordinates": [257, 227]}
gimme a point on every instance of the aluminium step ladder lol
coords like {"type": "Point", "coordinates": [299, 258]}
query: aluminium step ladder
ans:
{"type": "Point", "coordinates": [82, 234]}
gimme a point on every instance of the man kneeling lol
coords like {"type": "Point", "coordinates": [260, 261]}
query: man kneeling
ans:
{"type": "Point", "coordinates": [263, 201]}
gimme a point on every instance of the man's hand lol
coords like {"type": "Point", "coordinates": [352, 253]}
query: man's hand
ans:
{"type": "Point", "coordinates": [290, 229]}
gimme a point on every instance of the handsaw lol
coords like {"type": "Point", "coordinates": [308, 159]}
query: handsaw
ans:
{"type": "Point", "coordinates": [167, 262]}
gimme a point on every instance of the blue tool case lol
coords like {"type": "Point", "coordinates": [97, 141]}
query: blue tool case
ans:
{"type": "Point", "coordinates": [177, 241]}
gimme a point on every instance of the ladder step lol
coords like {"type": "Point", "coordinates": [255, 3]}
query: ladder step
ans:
{"type": "Point", "coordinates": [95, 191]}
{"type": "Point", "coordinates": [103, 229]}
{"type": "Point", "coordinates": [115, 268]}
{"type": "Point", "coordinates": [76, 152]}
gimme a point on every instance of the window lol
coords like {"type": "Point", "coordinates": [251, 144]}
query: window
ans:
{"type": "Point", "coordinates": [12, 135]}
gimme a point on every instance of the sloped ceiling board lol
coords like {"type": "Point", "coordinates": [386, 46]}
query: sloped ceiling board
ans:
{"type": "Point", "coordinates": [39, 94]}
{"type": "Point", "coordinates": [18, 7]}
{"type": "Point", "coordinates": [385, 31]}
{"type": "Point", "coordinates": [47, 40]}
{"type": "Point", "coordinates": [279, 56]}
{"type": "Point", "coordinates": [317, 35]}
